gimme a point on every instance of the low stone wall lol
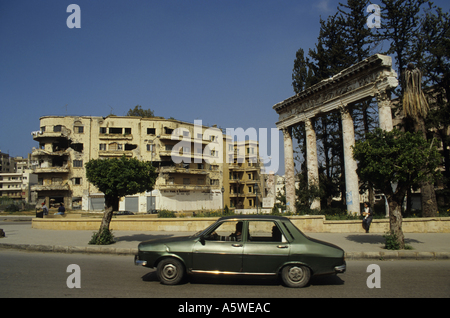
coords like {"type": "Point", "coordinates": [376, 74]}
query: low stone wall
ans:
{"type": "Point", "coordinates": [308, 224]}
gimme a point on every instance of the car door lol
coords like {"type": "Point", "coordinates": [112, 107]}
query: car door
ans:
{"type": "Point", "coordinates": [266, 248]}
{"type": "Point", "coordinates": [220, 250]}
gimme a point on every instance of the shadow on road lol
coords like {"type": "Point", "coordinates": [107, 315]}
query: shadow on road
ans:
{"type": "Point", "coordinates": [139, 237]}
{"type": "Point", "coordinates": [375, 239]}
{"type": "Point", "coordinates": [204, 279]}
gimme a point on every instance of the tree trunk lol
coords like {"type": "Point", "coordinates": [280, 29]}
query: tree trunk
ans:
{"type": "Point", "coordinates": [427, 193]}
{"type": "Point", "coordinates": [396, 220]}
{"type": "Point", "coordinates": [429, 202]}
{"type": "Point", "coordinates": [111, 205]}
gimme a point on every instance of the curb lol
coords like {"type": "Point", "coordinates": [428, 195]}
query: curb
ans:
{"type": "Point", "coordinates": [397, 255]}
{"type": "Point", "coordinates": [93, 249]}
{"type": "Point", "coordinates": [71, 249]}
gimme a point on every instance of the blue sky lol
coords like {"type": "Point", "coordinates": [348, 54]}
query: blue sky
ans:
{"type": "Point", "coordinates": [226, 62]}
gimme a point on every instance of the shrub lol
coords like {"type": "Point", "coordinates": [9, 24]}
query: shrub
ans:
{"type": "Point", "coordinates": [166, 214]}
{"type": "Point", "coordinates": [105, 238]}
{"type": "Point", "coordinates": [391, 241]}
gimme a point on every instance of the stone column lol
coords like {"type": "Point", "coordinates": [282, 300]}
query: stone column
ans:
{"type": "Point", "coordinates": [351, 177]}
{"type": "Point", "coordinates": [384, 110]}
{"type": "Point", "coordinates": [289, 169]}
{"type": "Point", "coordinates": [311, 159]}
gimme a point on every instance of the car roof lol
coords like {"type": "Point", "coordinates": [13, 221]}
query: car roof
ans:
{"type": "Point", "coordinates": [253, 217]}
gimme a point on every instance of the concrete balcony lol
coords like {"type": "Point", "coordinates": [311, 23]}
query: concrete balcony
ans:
{"type": "Point", "coordinates": [191, 187]}
{"type": "Point", "coordinates": [51, 187]}
{"type": "Point", "coordinates": [115, 137]}
{"type": "Point", "coordinates": [64, 169]}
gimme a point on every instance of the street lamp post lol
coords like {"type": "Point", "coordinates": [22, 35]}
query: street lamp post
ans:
{"type": "Point", "coordinates": [223, 190]}
{"type": "Point", "coordinates": [256, 192]}
{"type": "Point", "coordinates": [150, 141]}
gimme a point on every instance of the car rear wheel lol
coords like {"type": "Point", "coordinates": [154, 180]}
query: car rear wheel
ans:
{"type": "Point", "coordinates": [170, 271]}
{"type": "Point", "coordinates": [295, 275]}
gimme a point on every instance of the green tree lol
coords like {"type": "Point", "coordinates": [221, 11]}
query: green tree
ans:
{"type": "Point", "coordinates": [139, 112]}
{"type": "Point", "coordinates": [117, 178]}
{"type": "Point", "coordinates": [394, 161]}
{"type": "Point", "coordinates": [432, 53]}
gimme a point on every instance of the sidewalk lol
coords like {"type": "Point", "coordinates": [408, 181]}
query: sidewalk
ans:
{"type": "Point", "coordinates": [20, 235]}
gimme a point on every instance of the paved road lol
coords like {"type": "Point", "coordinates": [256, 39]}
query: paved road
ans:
{"type": "Point", "coordinates": [30, 274]}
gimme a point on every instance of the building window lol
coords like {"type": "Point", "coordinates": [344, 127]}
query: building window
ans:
{"type": "Point", "coordinates": [102, 146]}
{"type": "Point", "coordinates": [57, 128]}
{"type": "Point", "coordinates": [127, 131]}
{"type": "Point", "coordinates": [79, 129]}
{"type": "Point", "coordinates": [186, 181]}
{"type": "Point", "coordinates": [151, 131]}
{"type": "Point", "coordinates": [103, 130]}
{"type": "Point", "coordinates": [78, 163]}
{"type": "Point", "coordinates": [117, 131]}
{"type": "Point", "coordinates": [77, 181]}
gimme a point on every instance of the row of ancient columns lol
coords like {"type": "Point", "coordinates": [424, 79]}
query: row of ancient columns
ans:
{"type": "Point", "coordinates": [348, 131]}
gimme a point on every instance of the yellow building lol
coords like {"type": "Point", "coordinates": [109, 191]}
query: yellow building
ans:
{"type": "Point", "coordinates": [244, 175]}
{"type": "Point", "coordinates": [190, 158]}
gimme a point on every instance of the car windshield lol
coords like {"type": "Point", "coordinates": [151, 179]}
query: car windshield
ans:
{"type": "Point", "coordinates": [199, 233]}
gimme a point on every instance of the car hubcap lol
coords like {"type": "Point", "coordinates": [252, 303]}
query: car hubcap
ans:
{"type": "Point", "coordinates": [296, 274]}
{"type": "Point", "coordinates": [170, 271]}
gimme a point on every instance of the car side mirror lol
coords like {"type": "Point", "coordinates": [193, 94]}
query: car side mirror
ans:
{"type": "Point", "coordinates": [202, 240]}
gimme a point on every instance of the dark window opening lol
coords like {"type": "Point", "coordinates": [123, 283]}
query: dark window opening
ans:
{"type": "Point", "coordinates": [130, 146]}
{"type": "Point", "coordinates": [115, 131]}
{"type": "Point", "coordinates": [77, 147]}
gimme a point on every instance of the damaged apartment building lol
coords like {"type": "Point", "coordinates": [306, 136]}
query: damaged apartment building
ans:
{"type": "Point", "coordinates": [192, 177]}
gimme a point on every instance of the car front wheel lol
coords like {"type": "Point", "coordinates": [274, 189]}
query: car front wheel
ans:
{"type": "Point", "coordinates": [295, 275]}
{"type": "Point", "coordinates": [170, 271]}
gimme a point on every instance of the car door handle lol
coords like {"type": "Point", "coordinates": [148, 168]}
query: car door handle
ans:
{"type": "Point", "coordinates": [236, 245]}
{"type": "Point", "coordinates": [282, 246]}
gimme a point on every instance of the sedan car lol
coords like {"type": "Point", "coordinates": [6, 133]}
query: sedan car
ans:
{"type": "Point", "coordinates": [243, 245]}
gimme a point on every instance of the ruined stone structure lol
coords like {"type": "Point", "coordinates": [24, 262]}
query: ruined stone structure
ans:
{"type": "Point", "coordinates": [195, 170]}
{"type": "Point", "coordinates": [373, 77]}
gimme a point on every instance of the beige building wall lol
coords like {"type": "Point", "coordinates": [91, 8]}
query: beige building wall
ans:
{"type": "Point", "coordinates": [188, 158]}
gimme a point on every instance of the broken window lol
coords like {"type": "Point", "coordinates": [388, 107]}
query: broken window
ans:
{"type": "Point", "coordinates": [151, 131]}
{"type": "Point", "coordinates": [77, 147]}
{"type": "Point", "coordinates": [168, 131]}
{"type": "Point", "coordinates": [130, 146]}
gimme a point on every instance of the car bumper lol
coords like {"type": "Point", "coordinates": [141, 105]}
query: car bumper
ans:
{"type": "Point", "coordinates": [340, 268]}
{"type": "Point", "coordinates": [138, 262]}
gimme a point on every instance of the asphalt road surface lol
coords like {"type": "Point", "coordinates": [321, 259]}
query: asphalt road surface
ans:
{"type": "Point", "coordinates": [28, 274]}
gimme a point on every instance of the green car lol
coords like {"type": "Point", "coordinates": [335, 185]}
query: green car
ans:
{"type": "Point", "coordinates": [243, 245]}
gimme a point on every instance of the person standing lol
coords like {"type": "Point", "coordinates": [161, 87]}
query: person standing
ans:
{"type": "Point", "coordinates": [368, 216]}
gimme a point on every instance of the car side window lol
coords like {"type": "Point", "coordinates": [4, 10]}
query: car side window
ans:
{"type": "Point", "coordinates": [265, 231]}
{"type": "Point", "coordinates": [226, 231]}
